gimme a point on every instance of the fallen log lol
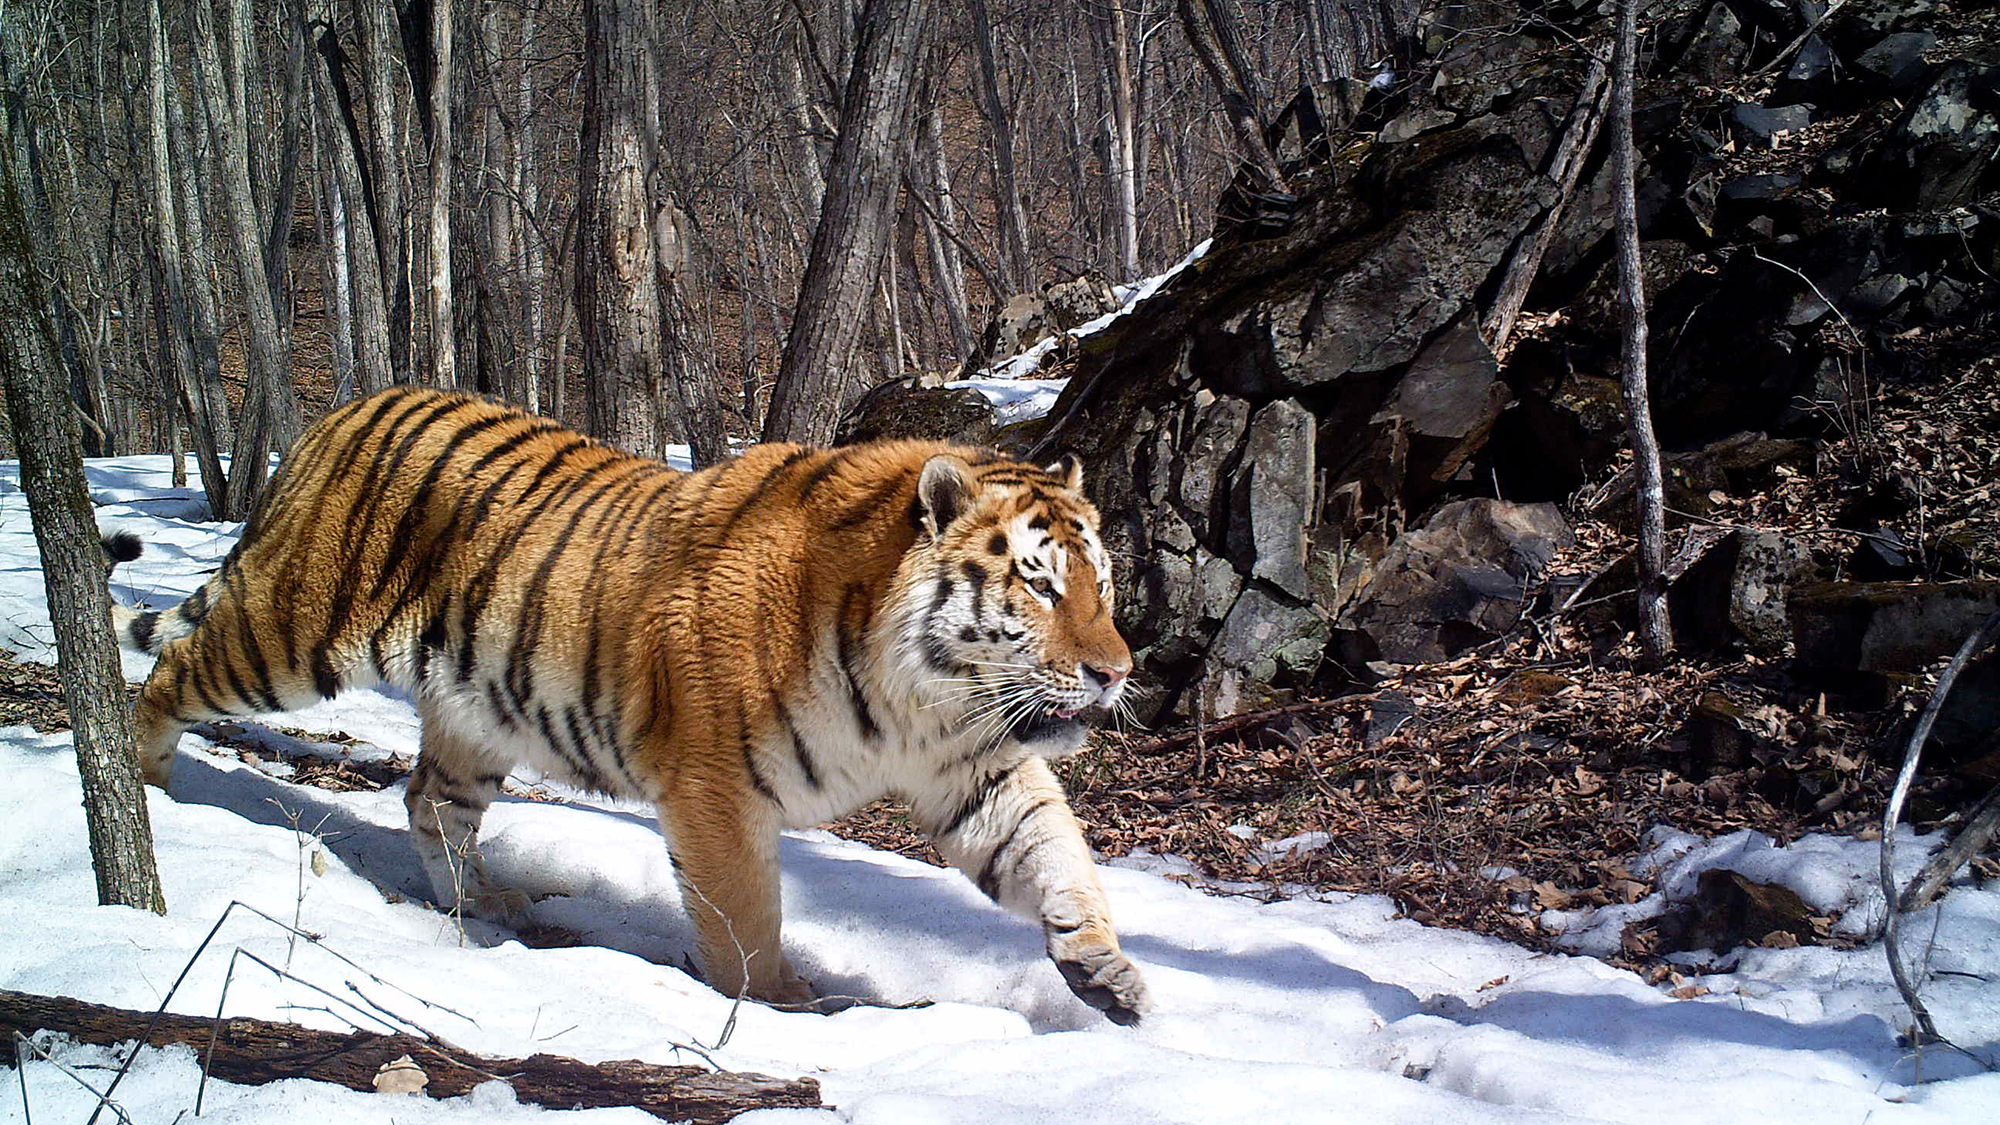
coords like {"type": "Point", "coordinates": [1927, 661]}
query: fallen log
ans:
{"type": "Point", "coordinates": [253, 1051]}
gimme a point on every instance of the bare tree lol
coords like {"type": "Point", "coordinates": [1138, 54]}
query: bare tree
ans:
{"type": "Point", "coordinates": [817, 375]}
{"type": "Point", "coordinates": [121, 835]}
{"type": "Point", "coordinates": [270, 404]}
{"type": "Point", "coordinates": [444, 350]}
{"type": "Point", "coordinates": [1017, 268]}
{"type": "Point", "coordinates": [1210, 28]}
{"type": "Point", "coordinates": [1655, 633]}
{"type": "Point", "coordinates": [198, 384]}
{"type": "Point", "coordinates": [1113, 43]}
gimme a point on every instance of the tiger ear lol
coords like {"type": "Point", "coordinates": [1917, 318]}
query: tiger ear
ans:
{"type": "Point", "coordinates": [1070, 468]}
{"type": "Point", "coordinates": [944, 491]}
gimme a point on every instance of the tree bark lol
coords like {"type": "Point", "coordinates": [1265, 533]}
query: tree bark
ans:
{"type": "Point", "coordinates": [45, 428]}
{"type": "Point", "coordinates": [359, 270]}
{"type": "Point", "coordinates": [1209, 31]}
{"type": "Point", "coordinates": [380, 49]}
{"type": "Point", "coordinates": [270, 404]}
{"type": "Point", "coordinates": [1655, 632]}
{"type": "Point", "coordinates": [253, 1051]}
{"type": "Point", "coordinates": [187, 333]}
{"type": "Point", "coordinates": [1114, 60]}
{"type": "Point", "coordinates": [617, 270]}
{"type": "Point", "coordinates": [444, 347]}
{"type": "Point", "coordinates": [1017, 267]}
{"type": "Point", "coordinates": [816, 377]}
{"type": "Point", "coordinates": [1565, 167]}
{"type": "Point", "coordinates": [39, 229]}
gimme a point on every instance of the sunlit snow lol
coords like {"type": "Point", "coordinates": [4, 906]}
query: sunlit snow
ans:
{"type": "Point", "coordinates": [1300, 1010]}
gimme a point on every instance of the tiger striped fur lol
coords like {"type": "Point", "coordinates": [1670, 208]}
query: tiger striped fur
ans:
{"type": "Point", "coordinates": [767, 643]}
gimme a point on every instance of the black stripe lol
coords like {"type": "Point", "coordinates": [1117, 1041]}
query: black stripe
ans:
{"type": "Point", "coordinates": [848, 644]}
{"type": "Point", "coordinates": [593, 777]}
{"type": "Point", "coordinates": [419, 503]}
{"type": "Point", "coordinates": [196, 606]}
{"type": "Point", "coordinates": [527, 636]}
{"type": "Point", "coordinates": [763, 486]}
{"type": "Point", "coordinates": [869, 507]}
{"type": "Point", "coordinates": [822, 471]}
{"type": "Point", "coordinates": [757, 781]}
{"type": "Point", "coordinates": [142, 631]}
{"type": "Point", "coordinates": [490, 780]}
{"type": "Point", "coordinates": [426, 571]}
{"type": "Point", "coordinates": [975, 576]}
{"type": "Point", "coordinates": [987, 880]}
{"type": "Point", "coordinates": [360, 527]}
{"type": "Point", "coordinates": [977, 801]}
{"type": "Point", "coordinates": [480, 590]}
{"type": "Point", "coordinates": [251, 649]}
{"type": "Point", "coordinates": [799, 750]}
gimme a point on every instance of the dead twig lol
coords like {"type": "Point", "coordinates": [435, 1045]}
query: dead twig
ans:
{"type": "Point", "coordinates": [1924, 1029]}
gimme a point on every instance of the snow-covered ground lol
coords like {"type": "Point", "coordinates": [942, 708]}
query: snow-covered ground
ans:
{"type": "Point", "coordinates": [1299, 1010]}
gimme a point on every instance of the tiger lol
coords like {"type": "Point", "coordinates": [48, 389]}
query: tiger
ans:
{"type": "Point", "coordinates": [767, 643]}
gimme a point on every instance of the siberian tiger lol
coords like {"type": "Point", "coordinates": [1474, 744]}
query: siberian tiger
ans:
{"type": "Point", "coordinates": [767, 643]}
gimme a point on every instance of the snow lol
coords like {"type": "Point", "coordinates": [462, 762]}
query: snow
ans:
{"type": "Point", "coordinates": [1306, 1009]}
{"type": "Point", "coordinates": [1010, 386]}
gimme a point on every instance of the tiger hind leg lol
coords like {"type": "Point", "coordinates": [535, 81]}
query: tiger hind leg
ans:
{"type": "Point", "coordinates": [453, 783]}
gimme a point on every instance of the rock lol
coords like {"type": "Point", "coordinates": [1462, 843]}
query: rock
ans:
{"type": "Point", "coordinates": [1268, 641]}
{"type": "Point", "coordinates": [901, 409]}
{"type": "Point", "coordinates": [1388, 713]}
{"type": "Point", "coordinates": [1734, 596]}
{"type": "Point", "coordinates": [1811, 77]}
{"type": "Point", "coordinates": [1762, 127]}
{"type": "Point", "coordinates": [1413, 123]}
{"type": "Point", "coordinates": [1073, 304]}
{"type": "Point", "coordinates": [1373, 302]}
{"type": "Point", "coordinates": [1883, 555]}
{"type": "Point", "coordinates": [1443, 407]}
{"type": "Point", "coordinates": [1273, 495]}
{"type": "Point", "coordinates": [1718, 735]}
{"type": "Point", "coordinates": [1460, 580]}
{"type": "Point", "coordinates": [1755, 188]}
{"type": "Point", "coordinates": [1874, 297]}
{"type": "Point", "coordinates": [1897, 62]}
{"type": "Point", "coordinates": [1941, 153]}
{"type": "Point", "coordinates": [1715, 50]}
{"type": "Point", "coordinates": [1886, 626]}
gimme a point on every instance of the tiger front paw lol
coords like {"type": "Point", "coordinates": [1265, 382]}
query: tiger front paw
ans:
{"type": "Point", "coordinates": [1100, 975]}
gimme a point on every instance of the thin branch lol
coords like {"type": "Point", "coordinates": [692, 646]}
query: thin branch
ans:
{"type": "Point", "coordinates": [1924, 1031]}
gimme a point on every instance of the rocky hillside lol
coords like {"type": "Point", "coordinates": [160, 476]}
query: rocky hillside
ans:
{"type": "Point", "coordinates": [1320, 468]}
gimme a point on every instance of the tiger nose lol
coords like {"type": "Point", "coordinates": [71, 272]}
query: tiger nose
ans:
{"type": "Point", "coordinates": [1104, 678]}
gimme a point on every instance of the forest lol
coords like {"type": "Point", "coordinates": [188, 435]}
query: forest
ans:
{"type": "Point", "coordinates": [1547, 449]}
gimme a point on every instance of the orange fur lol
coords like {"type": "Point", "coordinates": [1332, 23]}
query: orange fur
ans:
{"type": "Point", "coordinates": [765, 643]}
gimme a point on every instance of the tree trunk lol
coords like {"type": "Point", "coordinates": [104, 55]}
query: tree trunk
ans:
{"type": "Point", "coordinates": [617, 268]}
{"type": "Point", "coordinates": [1017, 267]}
{"type": "Point", "coordinates": [359, 250]}
{"type": "Point", "coordinates": [1113, 44]}
{"type": "Point", "coordinates": [270, 405]}
{"type": "Point", "coordinates": [940, 221]}
{"type": "Point", "coordinates": [253, 1051]}
{"type": "Point", "coordinates": [278, 231]}
{"type": "Point", "coordinates": [444, 348]}
{"type": "Point", "coordinates": [39, 229]}
{"type": "Point", "coordinates": [1213, 37]}
{"type": "Point", "coordinates": [1655, 632]}
{"type": "Point", "coordinates": [816, 377]}
{"type": "Point", "coordinates": [381, 51]}
{"type": "Point", "coordinates": [187, 334]}
{"type": "Point", "coordinates": [45, 429]}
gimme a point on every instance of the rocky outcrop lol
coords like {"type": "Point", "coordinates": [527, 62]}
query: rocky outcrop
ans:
{"type": "Point", "coordinates": [1308, 455]}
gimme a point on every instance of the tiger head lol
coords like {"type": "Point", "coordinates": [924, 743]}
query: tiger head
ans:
{"type": "Point", "coordinates": [1010, 592]}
